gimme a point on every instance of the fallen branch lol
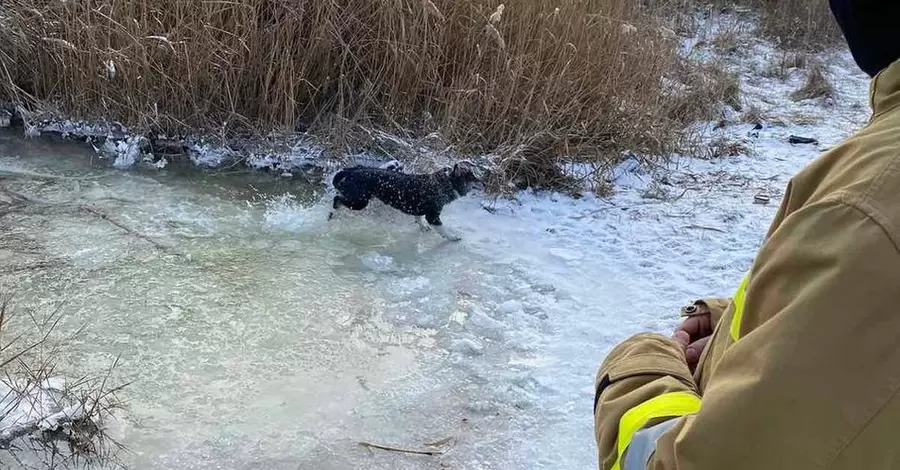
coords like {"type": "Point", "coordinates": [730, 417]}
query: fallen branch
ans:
{"type": "Point", "coordinates": [401, 450]}
{"type": "Point", "coordinates": [10, 209]}
{"type": "Point", "coordinates": [96, 212]}
{"type": "Point", "coordinates": [594, 212]}
{"type": "Point", "coordinates": [44, 176]}
{"type": "Point", "coordinates": [129, 230]}
{"type": "Point", "coordinates": [491, 210]}
{"type": "Point", "coordinates": [701, 227]}
{"type": "Point", "coordinates": [19, 197]}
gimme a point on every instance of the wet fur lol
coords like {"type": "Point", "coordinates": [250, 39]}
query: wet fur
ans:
{"type": "Point", "coordinates": [419, 195]}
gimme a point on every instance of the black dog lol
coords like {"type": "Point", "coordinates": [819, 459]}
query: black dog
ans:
{"type": "Point", "coordinates": [420, 195]}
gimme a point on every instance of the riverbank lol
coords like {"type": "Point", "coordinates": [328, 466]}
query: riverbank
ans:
{"type": "Point", "coordinates": [562, 128]}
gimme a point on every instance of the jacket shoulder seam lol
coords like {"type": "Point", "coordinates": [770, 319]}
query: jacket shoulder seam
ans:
{"type": "Point", "coordinates": [863, 205]}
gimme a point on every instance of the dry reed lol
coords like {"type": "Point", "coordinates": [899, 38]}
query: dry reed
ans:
{"type": "Point", "coordinates": [795, 24]}
{"type": "Point", "coordinates": [582, 74]}
{"type": "Point", "coordinates": [533, 81]}
{"type": "Point", "coordinates": [804, 24]}
{"type": "Point", "coordinates": [816, 86]}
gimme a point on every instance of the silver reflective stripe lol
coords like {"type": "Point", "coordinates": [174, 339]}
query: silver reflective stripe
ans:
{"type": "Point", "coordinates": [643, 444]}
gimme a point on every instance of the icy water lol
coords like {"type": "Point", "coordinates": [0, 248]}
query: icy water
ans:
{"type": "Point", "coordinates": [257, 335]}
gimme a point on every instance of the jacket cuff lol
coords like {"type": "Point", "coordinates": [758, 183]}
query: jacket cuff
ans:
{"type": "Point", "coordinates": [646, 354]}
{"type": "Point", "coordinates": [714, 306]}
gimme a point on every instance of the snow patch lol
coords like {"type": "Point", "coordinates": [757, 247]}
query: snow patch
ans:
{"type": "Point", "coordinates": [208, 156]}
{"type": "Point", "coordinates": [303, 154]}
{"type": "Point", "coordinates": [28, 407]}
{"type": "Point", "coordinates": [125, 152]}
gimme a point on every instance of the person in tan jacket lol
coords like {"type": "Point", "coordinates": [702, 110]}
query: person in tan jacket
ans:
{"type": "Point", "coordinates": [800, 368]}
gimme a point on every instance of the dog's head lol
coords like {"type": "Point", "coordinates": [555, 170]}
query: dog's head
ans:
{"type": "Point", "coordinates": [463, 178]}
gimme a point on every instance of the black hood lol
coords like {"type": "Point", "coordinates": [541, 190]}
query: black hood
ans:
{"type": "Point", "coordinates": [870, 27]}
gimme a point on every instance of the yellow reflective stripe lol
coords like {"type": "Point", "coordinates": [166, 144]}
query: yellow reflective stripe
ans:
{"type": "Point", "coordinates": [667, 404]}
{"type": "Point", "coordinates": [739, 308]}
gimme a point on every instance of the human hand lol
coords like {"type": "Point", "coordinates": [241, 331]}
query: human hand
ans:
{"type": "Point", "coordinates": [693, 334]}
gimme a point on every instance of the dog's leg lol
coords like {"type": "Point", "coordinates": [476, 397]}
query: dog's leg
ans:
{"type": "Point", "coordinates": [421, 221]}
{"type": "Point", "coordinates": [356, 204]}
{"type": "Point", "coordinates": [352, 204]}
{"type": "Point", "coordinates": [434, 219]}
{"type": "Point", "coordinates": [335, 205]}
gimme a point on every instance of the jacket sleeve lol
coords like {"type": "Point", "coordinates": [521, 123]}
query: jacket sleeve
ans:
{"type": "Point", "coordinates": [814, 360]}
{"type": "Point", "coordinates": [643, 379]}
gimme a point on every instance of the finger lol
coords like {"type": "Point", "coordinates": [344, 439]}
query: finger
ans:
{"type": "Point", "coordinates": [682, 338]}
{"type": "Point", "coordinates": [694, 350]}
{"type": "Point", "coordinates": [690, 325]}
{"type": "Point", "coordinates": [696, 326]}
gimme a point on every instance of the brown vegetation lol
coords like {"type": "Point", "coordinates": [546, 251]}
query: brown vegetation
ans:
{"type": "Point", "coordinates": [816, 85]}
{"type": "Point", "coordinates": [804, 24]}
{"type": "Point", "coordinates": [584, 73]}
{"type": "Point", "coordinates": [794, 24]}
{"type": "Point", "coordinates": [532, 81]}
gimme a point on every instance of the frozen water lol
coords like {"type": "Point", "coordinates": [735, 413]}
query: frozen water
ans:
{"type": "Point", "coordinates": [279, 340]}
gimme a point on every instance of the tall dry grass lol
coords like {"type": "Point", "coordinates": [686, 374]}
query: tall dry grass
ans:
{"type": "Point", "coordinates": [805, 24]}
{"type": "Point", "coordinates": [561, 78]}
{"type": "Point", "coordinates": [794, 24]}
{"type": "Point", "coordinates": [532, 80]}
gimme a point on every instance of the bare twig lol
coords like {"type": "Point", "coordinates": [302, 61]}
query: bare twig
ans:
{"type": "Point", "coordinates": [400, 449]}
{"type": "Point", "coordinates": [700, 227]}
{"type": "Point", "coordinates": [17, 196]}
{"type": "Point", "coordinates": [93, 211]}
{"type": "Point", "coordinates": [129, 230]}
{"type": "Point", "coordinates": [593, 212]}
{"type": "Point", "coordinates": [26, 267]}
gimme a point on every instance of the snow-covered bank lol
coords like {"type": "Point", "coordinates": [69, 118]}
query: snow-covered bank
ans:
{"type": "Point", "coordinates": [668, 236]}
{"type": "Point", "coordinates": [278, 153]}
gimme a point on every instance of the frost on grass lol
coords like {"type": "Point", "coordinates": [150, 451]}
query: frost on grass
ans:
{"type": "Point", "coordinates": [48, 420]}
{"type": "Point", "coordinates": [125, 152]}
{"type": "Point", "coordinates": [206, 155]}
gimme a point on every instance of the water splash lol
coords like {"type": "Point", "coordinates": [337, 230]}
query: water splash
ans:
{"type": "Point", "coordinates": [284, 213]}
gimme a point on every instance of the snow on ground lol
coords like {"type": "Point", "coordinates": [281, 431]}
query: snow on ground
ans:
{"type": "Point", "coordinates": [626, 264]}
